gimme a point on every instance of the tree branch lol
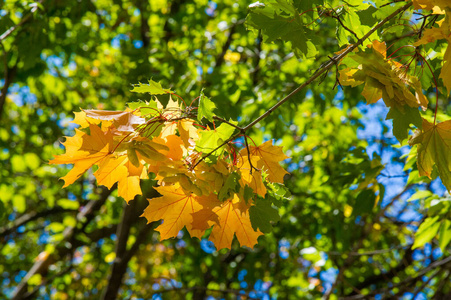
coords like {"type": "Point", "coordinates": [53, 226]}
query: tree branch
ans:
{"type": "Point", "coordinates": [130, 216]}
{"type": "Point", "coordinates": [43, 262]}
{"type": "Point", "coordinates": [117, 269]}
{"type": "Point", "coordinates": [24, 219]}
{"type": "Point", "coordinates": [324, 68]}
{"type": "Point", "coordinates": [406, 281]}
{"type": "Point", "coordinates": [25, 19]}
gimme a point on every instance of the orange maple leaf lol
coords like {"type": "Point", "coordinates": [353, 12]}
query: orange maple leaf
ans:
{"type": "Point", "coordinates": [251, 177]}
{"type": "Point", "coordinates": [176, 208]}
{"type": "Point", "coordinates": [268, 160]}
{"type": "Point", "coordinates": [233, 217]}
{"type": "Point", "coordinates": [128, 186]}
{"type": "Point", "coordinates": [84, 151]}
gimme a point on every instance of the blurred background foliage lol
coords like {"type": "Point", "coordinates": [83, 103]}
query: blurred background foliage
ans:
{"type": "Point", "coordinates": [346, 231]}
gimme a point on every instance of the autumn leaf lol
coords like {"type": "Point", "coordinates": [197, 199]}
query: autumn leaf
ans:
{"type": "Point", "coordinates": [430, 4]}
{"type": "Point", "coordinates": [269, 157]}
{"type": "Point", "coordinates": [187, 131]}
{"type": "Point", "coordinates": [383, 78]}
{"type": "Point", "coordinates": [176, 209]}
{"type": "Point", "coordinates": [111, 170]}
{"type": "Point", "coordinates": [84, 151]}
{"type": "Point", "coordinates": [129, 185]}
{"type": "Point", "coordinates": [123, 121]}
{"type": "Point", "coordinates": [251, 177]}
{"type": "Point", "coordinates": [233, 216]}
{"type": "Point", "coordinates": [434, 148]}
{"type": "Point", "coordinates": [209, 140]}
{"type": "Point", "coordinates": [438, 33]}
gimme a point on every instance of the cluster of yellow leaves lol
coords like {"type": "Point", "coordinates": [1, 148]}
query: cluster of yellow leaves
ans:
{"type": "Point", "coordinates": [195, 193]}
{"type": "Point", "coordinates": [383, 78]}
{"type": "Point", "coordinates": [438, 7]}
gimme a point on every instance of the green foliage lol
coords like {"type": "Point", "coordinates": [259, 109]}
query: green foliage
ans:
{"type": "Point", "coordinates": [262, 214]}
{"type": "Point", "coordinates": [342, 207]}
{"type": "Point", "coordinates": [206, 107]}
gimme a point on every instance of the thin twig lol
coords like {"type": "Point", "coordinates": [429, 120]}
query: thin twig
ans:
{"type": "Point", "coordinates": [25, 19]}
{"type": "Point", "coordinates": [324, 68]}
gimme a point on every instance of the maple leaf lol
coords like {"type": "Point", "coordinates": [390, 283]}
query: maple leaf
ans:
{"type": "Point", "coordinates": [268, 160]}
{"type": "Point", "coordinates": [434, 148]}
{"type": "Point", "coordinates": [84, 151]}
{"type": "Point", "coordinates": [128, 186]}
{"type": "Point", "coordinates": [438, 33]}
{"type": "Point", "coordinates": [176, 208]}
{"type": "Point", "coordinates": [211, 178]}
{"type": "Point", "coordinates": [153, 88]}
{"type": "Point", "coordinates": [431, 4]}
{"type": "Point", "coordinates": [431, 35]}
{"type": "Point", "coordinates": [261, 214]}
{"type": "Point", "coordinates": [275, 24]}
{"type": "Point", "coordinates": [120, 169]}
{"type": "Point", "coordinates": [111, 170]}
{"type": "Point", "coordinates": [187, 131]}
{"type": "Point", "coordinates": [250, 177]}
{"type": "Point", "coordinates": [124, 121]}
{"type": "Point", "coordinates": [82, 120]}
{"type": "Point", "coordinates": [402, 121]}
{"type": "Point", "coordinates": [233, 219]}
{"type": "Point", "coordinates": [211, 139]}
{"type": "Point", "coordinates": [383, 78]}
{"type": "Point", "coordinates": [206, 107]}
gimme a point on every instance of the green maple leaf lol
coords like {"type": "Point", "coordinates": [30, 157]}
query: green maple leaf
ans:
{"type": "Point", "coordinates": [206, 107]}
{"type": "Point", "coordinates": [231, 186]}
{"type": "Point", "coordinates": [262, 214]}
{"type": "Point", "coordinates": [153, 88]}
{"type": "Point", "coordinates": [426, 232]}
{"type": "Point", "coordinates": [403, 119]}
{"type": "Point", "coordinates": [281, 20]}
{"type": "Point", "coordinates": [147, 109]}
{"type": "Point", "coordinates": [434, 148]}
{"type": "Point", "coordinates": [210, 140]}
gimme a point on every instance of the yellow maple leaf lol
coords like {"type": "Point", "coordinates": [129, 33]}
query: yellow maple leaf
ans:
{"type": "Point", "coordinates": [81, 119]}
{"type": "Point", "coordinates": [84, 151]}
{"type": "Point", "coordinates": [431, 35]}
{"type": "Point", "coordinates": [233, 219]}
{"type": "Point", "coordinates": [436, 5]}
{"type": "Point", "coordinates": [252, 178]}
{"type": "Point", "coordinates": [128, 186]}
{"type": "Point", "coordinates": [176, 147]}
{"type": "Point", "coordinates": [269, 157]}
{"type": "Point", "coordinates": [445, 74]}
{"type": "Point", "coordinates": [187, 131]}
{"type": "Point", "coordinates": [434, 148]}
{"type": "Point", "coordinates": [384, 78]}
{"type": "Point", "coordinates": [111, 170]}
{"type": "Point", "coordinates": [176, 209]}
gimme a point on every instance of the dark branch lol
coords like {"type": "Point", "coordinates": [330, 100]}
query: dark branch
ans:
{"type": "Point", "coordinates": [41, 265]}
{"type": "Point", "coordinates": [34, 215]}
